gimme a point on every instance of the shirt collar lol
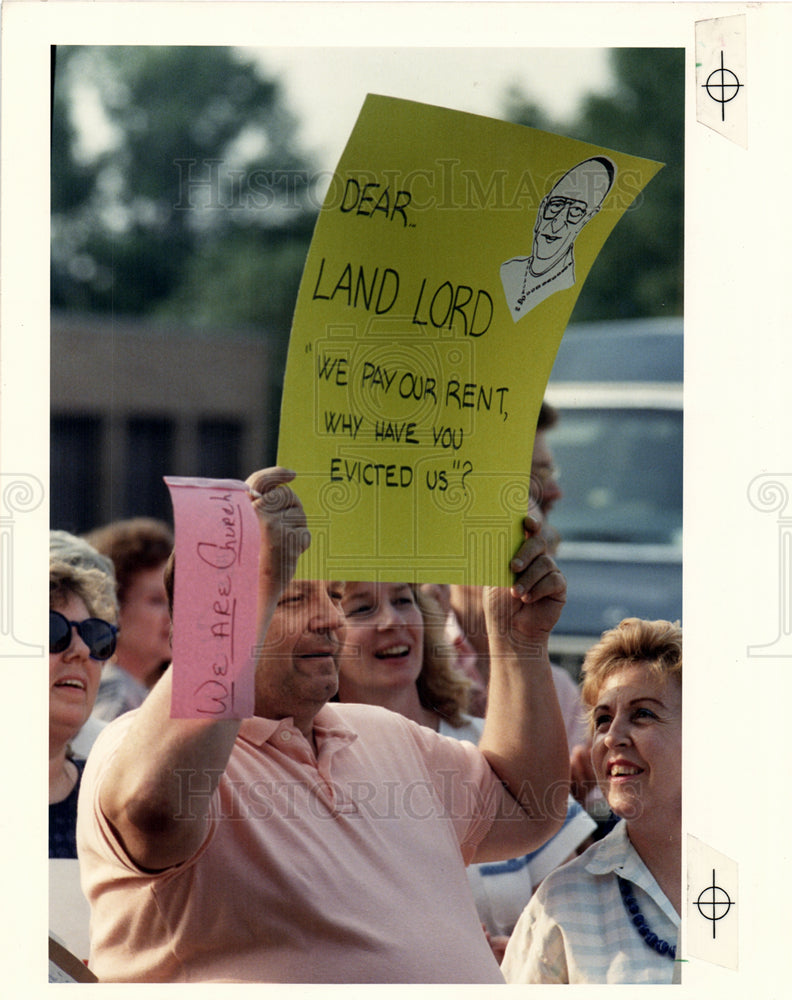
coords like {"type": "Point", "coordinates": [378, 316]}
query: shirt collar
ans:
{"type": "Point", "coordinates": [615, 853]}
{"type": "Point", "coordinates": [328, 724]}
{"type": "Point", "coordinates": [258, 730]}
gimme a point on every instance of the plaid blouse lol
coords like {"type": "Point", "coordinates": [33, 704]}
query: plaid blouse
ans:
{"type": "Point", "coordinates": [575, 929]}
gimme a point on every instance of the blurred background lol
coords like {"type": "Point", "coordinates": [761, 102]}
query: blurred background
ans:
{"type": "Point", "coordinates": [185, 186]}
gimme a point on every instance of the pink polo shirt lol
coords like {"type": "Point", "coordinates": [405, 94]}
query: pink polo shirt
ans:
{"type": "Point", "coordinates": [341, 866]}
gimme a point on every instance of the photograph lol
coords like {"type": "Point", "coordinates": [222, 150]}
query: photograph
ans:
{"type": "Point", "coordinates": [419, 336]}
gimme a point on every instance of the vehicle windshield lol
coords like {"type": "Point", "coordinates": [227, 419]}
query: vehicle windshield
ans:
{"type": "Point", "coordinates": [621, 476]}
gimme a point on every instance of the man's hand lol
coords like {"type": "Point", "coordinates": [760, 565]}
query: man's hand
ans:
{"type": "Point", "coordinates": [142, 793]}
{"type": "Point", "coordinates": [284, 529]}
{"type": "Point", "coordinates": [533, 605]}
{"type": "Point", "coordinates": [524, 739]}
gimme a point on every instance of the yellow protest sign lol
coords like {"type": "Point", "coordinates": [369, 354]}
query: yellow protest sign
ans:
{"type": "Point", "coordinates": [445, 263]}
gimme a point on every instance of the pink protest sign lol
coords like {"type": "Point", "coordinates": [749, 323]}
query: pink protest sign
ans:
{"type": "Point", "coordinates": [215, 598]}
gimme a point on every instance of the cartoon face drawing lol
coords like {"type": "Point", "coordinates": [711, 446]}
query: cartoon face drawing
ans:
{"type": "Point", "coordinates": [571, 203]}
{"type": "Point", "coordinates": [563, 212]}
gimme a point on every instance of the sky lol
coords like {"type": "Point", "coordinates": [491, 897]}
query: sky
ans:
{"type": "Point", "coordinates": [326, 87]}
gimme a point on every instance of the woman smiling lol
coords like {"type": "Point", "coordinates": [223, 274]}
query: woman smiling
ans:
{"type": "Point", "coordinates": [612, 914]}
{"type": "Point", "coordinates": [83, 612]}
{"type": "Point", "coordinates": [395, 655]}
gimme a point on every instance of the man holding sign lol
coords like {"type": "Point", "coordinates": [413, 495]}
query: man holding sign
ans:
{"type": "Point", "coordinates": [317, 842]}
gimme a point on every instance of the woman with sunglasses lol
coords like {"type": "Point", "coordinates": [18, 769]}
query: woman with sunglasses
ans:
{"type": "Point", "coordinates": [83, 612]}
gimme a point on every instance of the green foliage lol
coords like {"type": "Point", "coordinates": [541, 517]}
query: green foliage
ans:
{"type": "Point", "coordinates": [246, 278]}
{"type": "Point", "coordinates": [198, 205]}
{"type": "Point", "coordinates": [199, 177]}
{"type": "Point", "coordinates": [639, 271]}
{"type": "Point", "coordinates": [523, 111]}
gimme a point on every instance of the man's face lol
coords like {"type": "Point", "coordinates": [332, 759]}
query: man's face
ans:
{"type": "Point", "coordinates": [559, 221]}
{"type": "Point", "coordinates": [297, 671]}
{"type": "Point", "coordinates": [565, 211]}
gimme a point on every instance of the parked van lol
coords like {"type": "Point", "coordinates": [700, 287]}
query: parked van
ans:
{"type": "Point", "coordinates": [618, 446]}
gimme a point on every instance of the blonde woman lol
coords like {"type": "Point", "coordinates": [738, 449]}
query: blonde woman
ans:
{"type": "Point", "coordinates": [612, 914]}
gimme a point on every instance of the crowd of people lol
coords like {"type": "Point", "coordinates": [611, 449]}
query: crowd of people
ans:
{"type": "Point", "coordinates": [398, 808]}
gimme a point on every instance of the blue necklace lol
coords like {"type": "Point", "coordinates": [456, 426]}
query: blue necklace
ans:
{"type": "Point", "coordinates": [651, 939]}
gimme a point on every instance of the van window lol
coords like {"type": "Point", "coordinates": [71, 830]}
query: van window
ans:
{"type": "Point", "coordinates": [621, 476]}
{"type": "Point", "coordinates": [647, 350]}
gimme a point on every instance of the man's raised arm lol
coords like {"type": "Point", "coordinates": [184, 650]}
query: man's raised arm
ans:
{"type": "Point", "coordinates": [141, 791]}
{"type": "Point", "coordinates": [524, 738]}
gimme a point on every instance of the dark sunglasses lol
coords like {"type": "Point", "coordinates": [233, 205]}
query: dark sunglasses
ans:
{"type": "Point", "coordinates": [575, 210]}
{"type": "Point", "coordinates": [97, 634]}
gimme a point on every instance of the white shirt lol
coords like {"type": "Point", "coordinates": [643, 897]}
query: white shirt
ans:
{"type": "Point", "coordinates": [501, 889]}
{"type": "Point", "coordinates": [577, 930]}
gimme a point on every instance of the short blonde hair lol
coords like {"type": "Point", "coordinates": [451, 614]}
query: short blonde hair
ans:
{"type": "Point", "coordinates": [655, 644]}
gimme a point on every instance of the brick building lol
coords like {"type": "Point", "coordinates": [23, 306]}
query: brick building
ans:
{"type": "Point", "coordinates": [131, 402]}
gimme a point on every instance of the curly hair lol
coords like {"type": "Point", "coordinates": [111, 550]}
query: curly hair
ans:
{"type": "Point", "coordinates": [136, 544]}
{"type": "Point", "coordinates": [654, 644]}
{"type": "Point", "coordinates": [441, 687]}
{"type": "Point", "coordinates": [90, 584]}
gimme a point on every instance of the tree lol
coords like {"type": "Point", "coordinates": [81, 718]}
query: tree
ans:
{"type": "Point", "coordinates": [639, 271]}
{"type": "Point", "coordinates": [199, 172]}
